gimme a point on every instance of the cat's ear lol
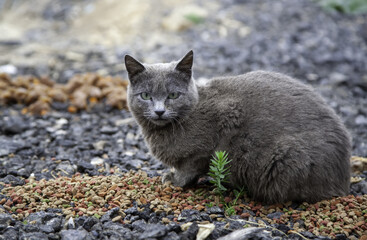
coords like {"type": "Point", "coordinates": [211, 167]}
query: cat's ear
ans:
{"type": "Point", "coordinates": [133, 66]}
{"type": "Point", "coordinates": [185, 64]}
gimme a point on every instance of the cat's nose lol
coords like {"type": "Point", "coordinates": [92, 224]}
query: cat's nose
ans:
{"type": "Point", "coordinates": [159, 113]}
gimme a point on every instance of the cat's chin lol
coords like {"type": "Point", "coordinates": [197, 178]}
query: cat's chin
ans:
{"type": "Point", "coordinates": [160, 122]}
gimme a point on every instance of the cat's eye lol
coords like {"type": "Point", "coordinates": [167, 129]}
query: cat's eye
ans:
{"type": "Point", "coordinates": [145, 96]}
{"type": "Point", "coordinates": [173, 95]}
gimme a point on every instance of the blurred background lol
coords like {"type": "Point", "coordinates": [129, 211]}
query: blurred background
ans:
{"type": "Point", "coordinates": [321, 42]}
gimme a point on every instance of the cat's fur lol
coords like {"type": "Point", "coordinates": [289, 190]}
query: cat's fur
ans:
{"type": "Point", "coordinates": [284, 141]}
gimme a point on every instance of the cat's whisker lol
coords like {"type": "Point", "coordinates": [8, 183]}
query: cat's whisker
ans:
{"type": "Point", "coordinates": [179, 124]}
{"type": "Point", "coordinates": [171, 120]}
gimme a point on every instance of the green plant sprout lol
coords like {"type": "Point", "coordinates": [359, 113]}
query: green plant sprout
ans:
{"type": "Point", "coordinates": [344, 6]}
{"type": "Point", "coordinates": [219, 171]}
{"type": "Point", "coordinates": [229, 207]}
{"type": "Point", "coordinates": [196, 19]}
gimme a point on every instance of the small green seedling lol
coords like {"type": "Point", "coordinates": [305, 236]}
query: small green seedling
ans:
{"type": "Point", "coordinates": [219, 171]}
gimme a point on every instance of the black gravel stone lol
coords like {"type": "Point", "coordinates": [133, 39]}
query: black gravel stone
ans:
{"type": "Point", "coordinates": [110, 214]}
{"type": "Point", "coordinates": [134, 218]}
{"type": "Point", "coordinates": [10, 233]}
{"type": "Point", "coordinates": [171, 236]}
{"type": "Point", "coordinates": [97, 227]}
{"type": "Point", "coordinates": [112, 229]}
{"type": "Point", "coordinates": [308, 234]}
{"type": "Point", "coordinates": [11, 146]}
{"type": "Point", "coordinates": [341, 237]}
{"type": "Point", "coordinates": [83, 167]}
{"type": "Point", "coordinates": [3, 227]}
{"type": "Point", "coordinates": [14, 181]}
{"type": "Point", "coordinates": [54, 210]}
{"type": "Point", "coordinates": [145, 213]}
{"type": "Point", "coordinates": [139, 225]}
{"type": "Point", "coordinates": [3, 172]}
{"type": "Point", "coordinates": [190, 233]}
{"type": "Point", "coordinates": [108, 130]}
{"type": "Point", "coordinates": [34, 236]}
{"type": "Point", "coordinates": [359, 188]}
{"type": "Point", "coordinates": [14, 125]}
{"type": "Point", "coordinates": [6, 219]}
{"type": "Point", "coordinates": [275, 215]}
{"type": "Point", "coordinates": [132, 211]}
{"type": "Point", "coordinates": [46, 228]}
{"type": "Point", "coordinates": [282, 227]}
{"type": "Point", "coordinates": [205, 217]}
{"type": "Point", "coordinates": [43, 217]}
{"type": "Point", "coordinates": [322, 238]}
{"type": "Point", "coordinates": [154, 231]}
{"type": "Point", "coordinates": [55, 224]}
{"type": "Point", "coordinates": [89, 223]}
{"type": "Point", "coordinates": [74, 234]}
{"type": "Point", "coordinates": [215, 210]}
{"type": "Point", "coordinates": [173, 226]}
{"type": "Point", "coordinates": [31, 228]}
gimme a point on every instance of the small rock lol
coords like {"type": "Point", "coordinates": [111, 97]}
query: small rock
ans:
{"type": "Point", "coordinates": [282, 227]}
{"type": "Point", "coordinates": [132, 211]}
{"type": "Point", "coordinates": [110, 214]}
{"type": "Point", "coordinates": [361, 120]}
{"type": "Point", "coordinates": [171, 236]}
{"type": "Point", "coordinates": [55, 224]}
{"type": "Point", "coordinates": [118, 230]}
{"type": "Point", "coordinates": [133, 164]}
{"type": "Point", "coordinates": [108, 130]}
{"type": "Point", "coordinates": [34, 236]}
{"type": "Point", "coordinates": [70, 224]}
{"type": "Point", "coordinates": [10, 233]}
{"type": "Point", "coordinates": [116, 219]}
{"type": "Point", "coordinates": [72, 234]}
{"type": "Point", "coordinates": [125, 121]}
{"type": "Point", "coordinates": [248, 233]}
{"type": "Point", "coordinates": [8, 69]}
{"type": "Point", "coordinates": [275, 215]}
{"type": "Point", "coordinates": [14, 181]}
{"type": "Point", "coordinates": [46, 229]}
{"type": "Point", "coordinates": [65, 168]}
{"type": "Point", "coordinates": [139, 225]}
{"type": "Point", "coordinates": [130, 139]}
{"type": "Point", "coordinates": [154, 231]}
{"type": "Point", "coordinates": [11, 146]}
{"type": "Point", "coordinates": [215, 210]}
{"type": "Point", "coordinates": [97, 161]}
{"type": "Point", "coordinates": [42, 217]}
{"type": "Point", "coordinates": [89, 223]}
{"type": "Point", "coordinates": [14, 125]}
{"type": "Point", "coordinates": [31, 228]}
{"type": "Point", "coordinates": [359, 187]}
{"type": "Point", "coordinates": [191, 232]}
{"type": "Point", "coordinates": [99, 145]}
{"type": "Point", "coordinates": [6, 219]}
{"type": "Point", "coordinates": [82, 166]}
{"type": "Point", "coordinates": [308, 234]}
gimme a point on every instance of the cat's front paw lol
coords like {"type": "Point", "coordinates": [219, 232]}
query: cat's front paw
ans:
{"type": "Point", "coordinates": [168, 177]}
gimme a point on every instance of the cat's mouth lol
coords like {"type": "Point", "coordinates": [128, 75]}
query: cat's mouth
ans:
{"type": "Point", "coordinates": [159, 121]}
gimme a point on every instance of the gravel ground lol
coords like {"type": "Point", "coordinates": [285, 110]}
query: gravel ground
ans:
{"type": "Point", "coordinates": [83, 171]}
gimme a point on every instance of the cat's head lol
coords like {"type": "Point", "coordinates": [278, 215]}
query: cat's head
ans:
{"type": "Point", "coordinates": [161, 93]}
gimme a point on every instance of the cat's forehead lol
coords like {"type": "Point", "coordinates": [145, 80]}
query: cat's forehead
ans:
{"type": "Point", "coordinates": [160, 67]}
{"type": "Point", "coordinates": [159, 77]}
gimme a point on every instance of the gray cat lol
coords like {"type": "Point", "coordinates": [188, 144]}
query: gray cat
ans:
{"type": "Point", "coordinates": [285, 143]}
